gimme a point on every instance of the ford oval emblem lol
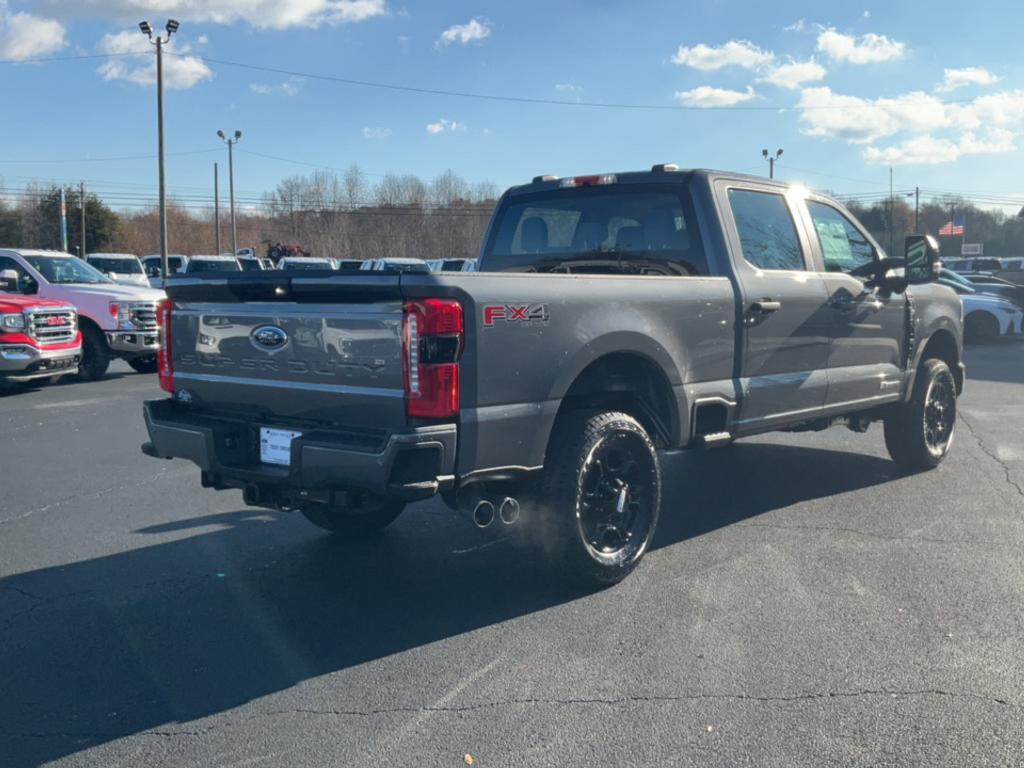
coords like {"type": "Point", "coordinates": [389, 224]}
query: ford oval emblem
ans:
{"type": "Point", "coordinates": [268, 338]}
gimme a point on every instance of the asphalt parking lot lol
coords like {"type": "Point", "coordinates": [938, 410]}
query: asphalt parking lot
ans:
{"type": "Point", "coordinates": [805, 604]}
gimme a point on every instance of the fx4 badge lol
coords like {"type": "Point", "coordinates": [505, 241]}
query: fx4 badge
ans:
{"type": "Point", "coordinates": [514, 313]}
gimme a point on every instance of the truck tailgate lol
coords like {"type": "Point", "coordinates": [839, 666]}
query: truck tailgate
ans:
{"type": "Point", "coordinates": [325, 349]}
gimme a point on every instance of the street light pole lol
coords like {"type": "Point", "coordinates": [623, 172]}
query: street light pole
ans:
{"type": "Point", "coordinates": [216, 208]}
{"type": "Point", "coordinates": [81, 196]}
{"type": "Point", "coordinates": [771, 161]}
{"type": "Point", "coordinates": [147, 30]}
{"type": "Point", "coordinates": [231, 141]}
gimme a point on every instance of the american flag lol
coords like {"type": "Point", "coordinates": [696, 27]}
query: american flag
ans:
{"type": "Point", "coordinates": [953, 228]}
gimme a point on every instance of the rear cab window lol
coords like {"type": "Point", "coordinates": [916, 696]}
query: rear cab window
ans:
{"type": "Point", "coordinates": [628, 228]}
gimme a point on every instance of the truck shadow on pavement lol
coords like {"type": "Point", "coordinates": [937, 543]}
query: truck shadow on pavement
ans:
{"type": "Point", "coordinates": [231, 607]}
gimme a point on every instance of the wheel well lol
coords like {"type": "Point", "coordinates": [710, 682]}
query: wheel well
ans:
{"type": "Point", "coordinates": [88, 322]}
{"type": "Point", "coordinates": [630, 383]}
{"type": "Point", "coordinates": [942, 346]}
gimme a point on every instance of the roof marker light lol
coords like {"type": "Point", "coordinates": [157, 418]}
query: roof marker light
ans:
{"type": "Point", "coordinates": [589, 181]}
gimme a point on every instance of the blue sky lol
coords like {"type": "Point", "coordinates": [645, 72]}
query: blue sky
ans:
{"type": "Point", "coordinates": [950, 79]}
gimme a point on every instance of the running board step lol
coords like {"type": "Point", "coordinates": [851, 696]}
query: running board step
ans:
{"type": "Point", "coordinates": [714, 439]}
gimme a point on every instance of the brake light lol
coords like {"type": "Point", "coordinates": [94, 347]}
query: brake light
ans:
{"type": "Point", "coordinates": [164, 361]}
{"type": "Point", "coordinates": [432, 344]}
{"type": "Point", "coordinates": [589, 181]}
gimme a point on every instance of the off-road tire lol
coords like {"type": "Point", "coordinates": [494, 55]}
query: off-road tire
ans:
{"type": "Point", "coordinates": [145, 364]}
{"type": "Point", "coordinates": [567, 496]}
{"type": "Point", "coordinates": [908, 438]}
{"type": "Point", "coordinates": [95, 355]}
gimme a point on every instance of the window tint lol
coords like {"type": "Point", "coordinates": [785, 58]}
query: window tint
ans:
{"type": "Point", "coordinates": [767, 233]}
{"type": "Point", "coordinates": [843, 247]}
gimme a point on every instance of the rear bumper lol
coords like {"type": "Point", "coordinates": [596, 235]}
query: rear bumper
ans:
{"type": "Point", "coordinates": [410, 464]}
{"type": "Point", "coordinates": [133, 343]}
{"type": "Point", "coordinates": [23, 362]}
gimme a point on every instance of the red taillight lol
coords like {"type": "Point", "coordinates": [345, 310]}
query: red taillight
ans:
{"type": "Point", "coordinates": [164, 361]}
{"type": "Point", "coordinates": [432, 343]}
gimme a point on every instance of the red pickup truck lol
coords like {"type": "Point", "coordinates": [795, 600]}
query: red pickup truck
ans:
{"type": "Point", "coordinates": [39, 339]}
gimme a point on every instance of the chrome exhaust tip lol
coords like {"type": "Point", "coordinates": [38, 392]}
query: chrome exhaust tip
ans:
{"type": "Point", "coordinates": [483, 513]}
{"type": "Point", "coordinates": [508, 510]}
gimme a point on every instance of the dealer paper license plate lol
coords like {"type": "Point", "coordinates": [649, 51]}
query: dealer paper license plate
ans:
{"type": "Point", "coordinates": [276, 445]}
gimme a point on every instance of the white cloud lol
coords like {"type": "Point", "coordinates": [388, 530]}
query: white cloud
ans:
{"type": "Point", "coordinates": [928, 150]}
{"type": "Point", "coordinates": [803, 27]}
{"type": "Point", "coordinates": [796, 73]}
{"type": "Point", "coordinates": [473, 31]}
{"type": "Point", "coordinates": [26, 36]}
{"type": "Point", "coordinates": [265, 14]}
{"type": "Point", "coordinates": [290, 87]}
{"type": "Point", "coordinates": [959, 78]}
{"type": "Point", "coordinates": [568, 88]}
{"type": "Point", "coordinates": [836, 116]}
{"type": "Point", "coordinates": [868, 49]}
{"type": "Point", "coordinates": [1005, 108]}
{"type": "Point", "coordinates": [735, 53]}
{"type": "Point", "coordinates": [180, 72]}
{"type": "Point", "coordinates": [376, 133]}
{"type": "Point", "coordinates": [445, 125]}
{"type": "Point", "coordinates": [866, 15]}
{"type": "Point", "coordinates": [202, 40]}
{"type": "Point", "coordinates": [706, 96]}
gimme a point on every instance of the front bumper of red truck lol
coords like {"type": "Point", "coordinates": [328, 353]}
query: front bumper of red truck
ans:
{"type": "Point", "coordinates": [22, 359]}
{"type": "Point", "coordinates": [411, 463]}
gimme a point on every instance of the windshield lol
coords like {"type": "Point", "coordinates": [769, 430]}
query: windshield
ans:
{"type": "Point", "coordinates": [66, 269]}
{"type": "Point", "coordinates": [210, 265]}
{"type": "Point", "coordinates": [250, 265]}
{"type": "Point", "coordinates": [121, 266]}
{"type": "Point", "coordinates": [645, 228]}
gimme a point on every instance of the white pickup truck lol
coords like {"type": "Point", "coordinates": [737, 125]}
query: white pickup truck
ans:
{"type": "Point", "coordinates": [115, 320]}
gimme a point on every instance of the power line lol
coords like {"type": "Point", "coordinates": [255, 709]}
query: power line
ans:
{"type": "Point", "coordinates": [66, 161]}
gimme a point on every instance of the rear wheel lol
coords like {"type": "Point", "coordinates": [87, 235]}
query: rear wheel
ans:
{"type": "Point", "coordinates": [145, 364]}
{"type": "Point", "coordinates": [919, 434]}
{"type": "Point", "coordinates": [600, 496]}
{"type": "Point", "coordinates": [95, 354]}
{"type": "Point", "coordinates": [980, 326]}
{"type": "Point", "coordinates": [364, 514]}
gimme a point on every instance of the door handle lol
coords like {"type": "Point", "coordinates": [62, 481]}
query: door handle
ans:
{"type": "Point", "coordinates": [765, 306]}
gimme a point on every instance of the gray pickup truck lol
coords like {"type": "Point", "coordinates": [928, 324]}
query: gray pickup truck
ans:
{"type": "Point", "coordinates": [611, 316]}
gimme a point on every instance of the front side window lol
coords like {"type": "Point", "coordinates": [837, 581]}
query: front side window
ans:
{"type": "Point", "coordinates": [767, 233]}
{"type": "Point", "coordinates": [843, 246]}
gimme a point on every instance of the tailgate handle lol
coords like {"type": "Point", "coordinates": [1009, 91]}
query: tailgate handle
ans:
{"type": "Point", "coordinates": [766, 306]}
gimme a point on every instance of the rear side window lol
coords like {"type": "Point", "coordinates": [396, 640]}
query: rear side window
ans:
{"type": "Point", "coordinates": [766, 229]}
{"type": "Point", "coordinates": [636, 228]}
{"type": "Point", "coordinates": [843, 246]}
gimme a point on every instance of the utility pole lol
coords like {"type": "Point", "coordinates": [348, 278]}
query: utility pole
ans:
{"type": "Point", "coordinates": [81, 197]}
{"type": "Point", "coordinates": [216, 209]}
{"type": "Point", "coordinates": [917, 209]}
{"type": "Point", "coordinates": [147, 30]}
{"type": "Point", "coordinates": [64, 222]}
{"type": "Point", "coordinates": [771, 160]}
{"type": "Point", "coordinates": [892, 225]}
{"type": "Point", "coordinates": [231, 141]}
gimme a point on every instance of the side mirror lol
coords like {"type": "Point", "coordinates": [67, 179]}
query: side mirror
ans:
{"type": "Point", "coordinates": [8, 280]}
{"type": "Point", "coordinates": [922, 259]}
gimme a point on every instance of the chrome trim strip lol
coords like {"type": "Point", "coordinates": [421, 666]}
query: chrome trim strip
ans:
{"type": "Point", "coordinates": [302, 386]}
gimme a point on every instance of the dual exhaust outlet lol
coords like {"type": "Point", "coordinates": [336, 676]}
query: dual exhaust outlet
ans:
{"type": "Point", "coordinates": [504, 508]}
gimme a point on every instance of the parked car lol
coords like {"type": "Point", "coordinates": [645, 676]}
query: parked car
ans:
{"type": "Point", "coordinates": [116, 321]}
{"type": "Point", "coordinates": [452, 265]}
{"type": "Point", "coordinates": [39, 338]}
{"type": "Point", "coordinates": [254, 263]}
{"type": "Point", "coordinates": [293, 263]}
{"type": "Point", "coordinates": [396, 265]}
{"type": "Point", "coordinates": [212, 263]}
{"type": "Point", "coordinates": [997, 286]}
{"type": "Point", "coordinates": [124, 268]}
{"type": "Point", "coordinates": [176, 264]}
{"type": "Point", "coordinates": [979, 264]}
{"type": "Point", "coordinates": [986, 316]}
{"type": "Point", "coordinates": [703, 307]}
{"type": "Point", "coordinates": [1012, 270]}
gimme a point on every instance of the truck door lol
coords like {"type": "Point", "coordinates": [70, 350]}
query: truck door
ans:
{"type": "Point", "coordinates": [866, 360]}
{"type": "Point", "coordinates": [783, 353]}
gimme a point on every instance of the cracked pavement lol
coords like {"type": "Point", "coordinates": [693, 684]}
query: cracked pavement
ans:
{"type": "Point", "coordinates": [804, 604]}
